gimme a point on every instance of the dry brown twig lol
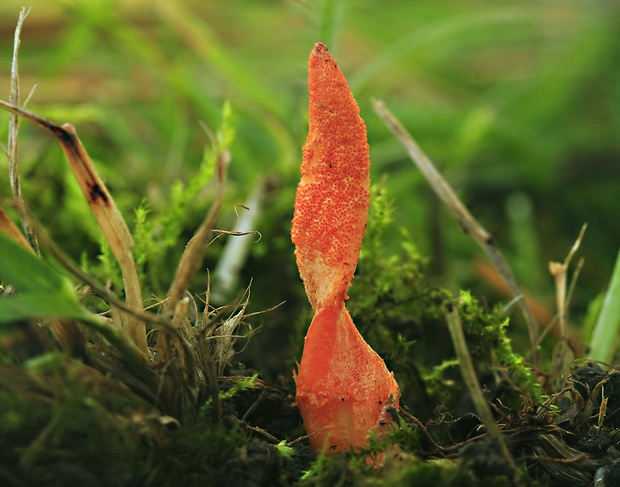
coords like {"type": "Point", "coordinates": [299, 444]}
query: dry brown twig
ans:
{"type": "Point", "coordinates": [194, 252]}
{"type": "Point", "coordinates": [106, 213]}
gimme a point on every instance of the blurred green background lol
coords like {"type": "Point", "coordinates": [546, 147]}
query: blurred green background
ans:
{"type": "Point", "coordinates": [517, 103]}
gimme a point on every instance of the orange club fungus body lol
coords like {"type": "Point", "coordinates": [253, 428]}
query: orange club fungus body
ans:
{"type": "Point", "coordinates": [344, 389]}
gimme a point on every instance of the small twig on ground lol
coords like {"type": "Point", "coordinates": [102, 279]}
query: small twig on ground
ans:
{"type": "Point", "coordinates": [422, 427]}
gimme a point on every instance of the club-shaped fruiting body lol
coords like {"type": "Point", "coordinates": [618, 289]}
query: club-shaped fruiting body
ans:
{"type": "Point", "coordinates": [344, 389]}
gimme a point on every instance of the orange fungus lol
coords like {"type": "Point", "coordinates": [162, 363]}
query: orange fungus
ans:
{"type": "Point", "coordinates": [344, 389]}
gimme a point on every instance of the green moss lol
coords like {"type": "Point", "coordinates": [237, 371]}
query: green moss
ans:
{"type": "Point", "coordinates": [404, 469]}
{"type": "Point", "coordinates": [444, 472]}
{"type": "Point", "coordinates": [435, 378]}
{"type": "Point", "coordinates": [61, 423]}
{"type": "Point", "coordinates": [57, 430]}
{"type": "Point", "coordinates": [390, 298]}
{"type": "Point", "coordinates": [244, 383]}
{"type": "Point", "coordinates": [401, 313]}
{"type": "Point", "coordinates": [162, 234]}
{"type": "Point", "coordinates": [488, 342]}
{"type": "Point", "coordinates": [390, 283]}
{"type": "Point", "coordinates": [201, 455]}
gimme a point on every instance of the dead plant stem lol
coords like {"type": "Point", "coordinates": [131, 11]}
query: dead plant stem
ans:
{"type": "Point", "coordinates": [106, 213]}
{"type": "Point", "coordinates": [194, 252]}
{"type": "Point", "coordinates": [12, 149]}
{"type": "Point", "coordinates": [471, 381]}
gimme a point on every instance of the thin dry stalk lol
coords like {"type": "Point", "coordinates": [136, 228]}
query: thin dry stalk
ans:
{"type": "Point", "coordinates": [12, 148]}
{"type": "Point", "coordinates": [106, 213]}
{"type": "Point", "coordinates": [193, 256]}
{"type": "Point", "coordinates": [461, 214]}
{"type": "Point", "coordinates": [559, 271]}
{"type": "Point", "coordinates": [471, 381]}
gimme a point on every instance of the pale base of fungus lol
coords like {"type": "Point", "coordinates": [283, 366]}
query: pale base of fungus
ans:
{"type": "Point", "coordinates": [344, 389]}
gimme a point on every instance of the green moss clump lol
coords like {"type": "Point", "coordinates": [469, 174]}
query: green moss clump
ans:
{"type": "Point", "coordinates": [391, 301]}
{"type": "Point", "coordinates": [62, 423]}
{"type": "Point", "coordinates": [489, 343]}
{"type": "Point", "coordinates": [402, 315]}
{"type": "Point", "coordinates": [201, 456]}
{"type": "Point", "coordinates": [390, 284]}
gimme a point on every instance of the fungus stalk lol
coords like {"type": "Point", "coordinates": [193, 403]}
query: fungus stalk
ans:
{"type": "Point", "coordinates": [344, 389]}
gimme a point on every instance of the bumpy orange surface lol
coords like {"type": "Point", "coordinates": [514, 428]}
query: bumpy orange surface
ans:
{"type": "Point", "coordinates": [334, 192]}
{"type": "Point", "coordinates": [344, 389]}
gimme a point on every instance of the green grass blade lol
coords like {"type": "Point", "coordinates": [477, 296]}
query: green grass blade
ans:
{"type": "Point", "coordinates": [605, 336]}
{"type": "Point", "coordinates": [330, 13]}
{"type": "Point", "coordinates": [45, 293]}
{"type": "Point", "coordinates": [33, 306]}
{"type": "Point", "coordinates": [27, 273]}
{"type": "Point", "coordinates": [43, 290]}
